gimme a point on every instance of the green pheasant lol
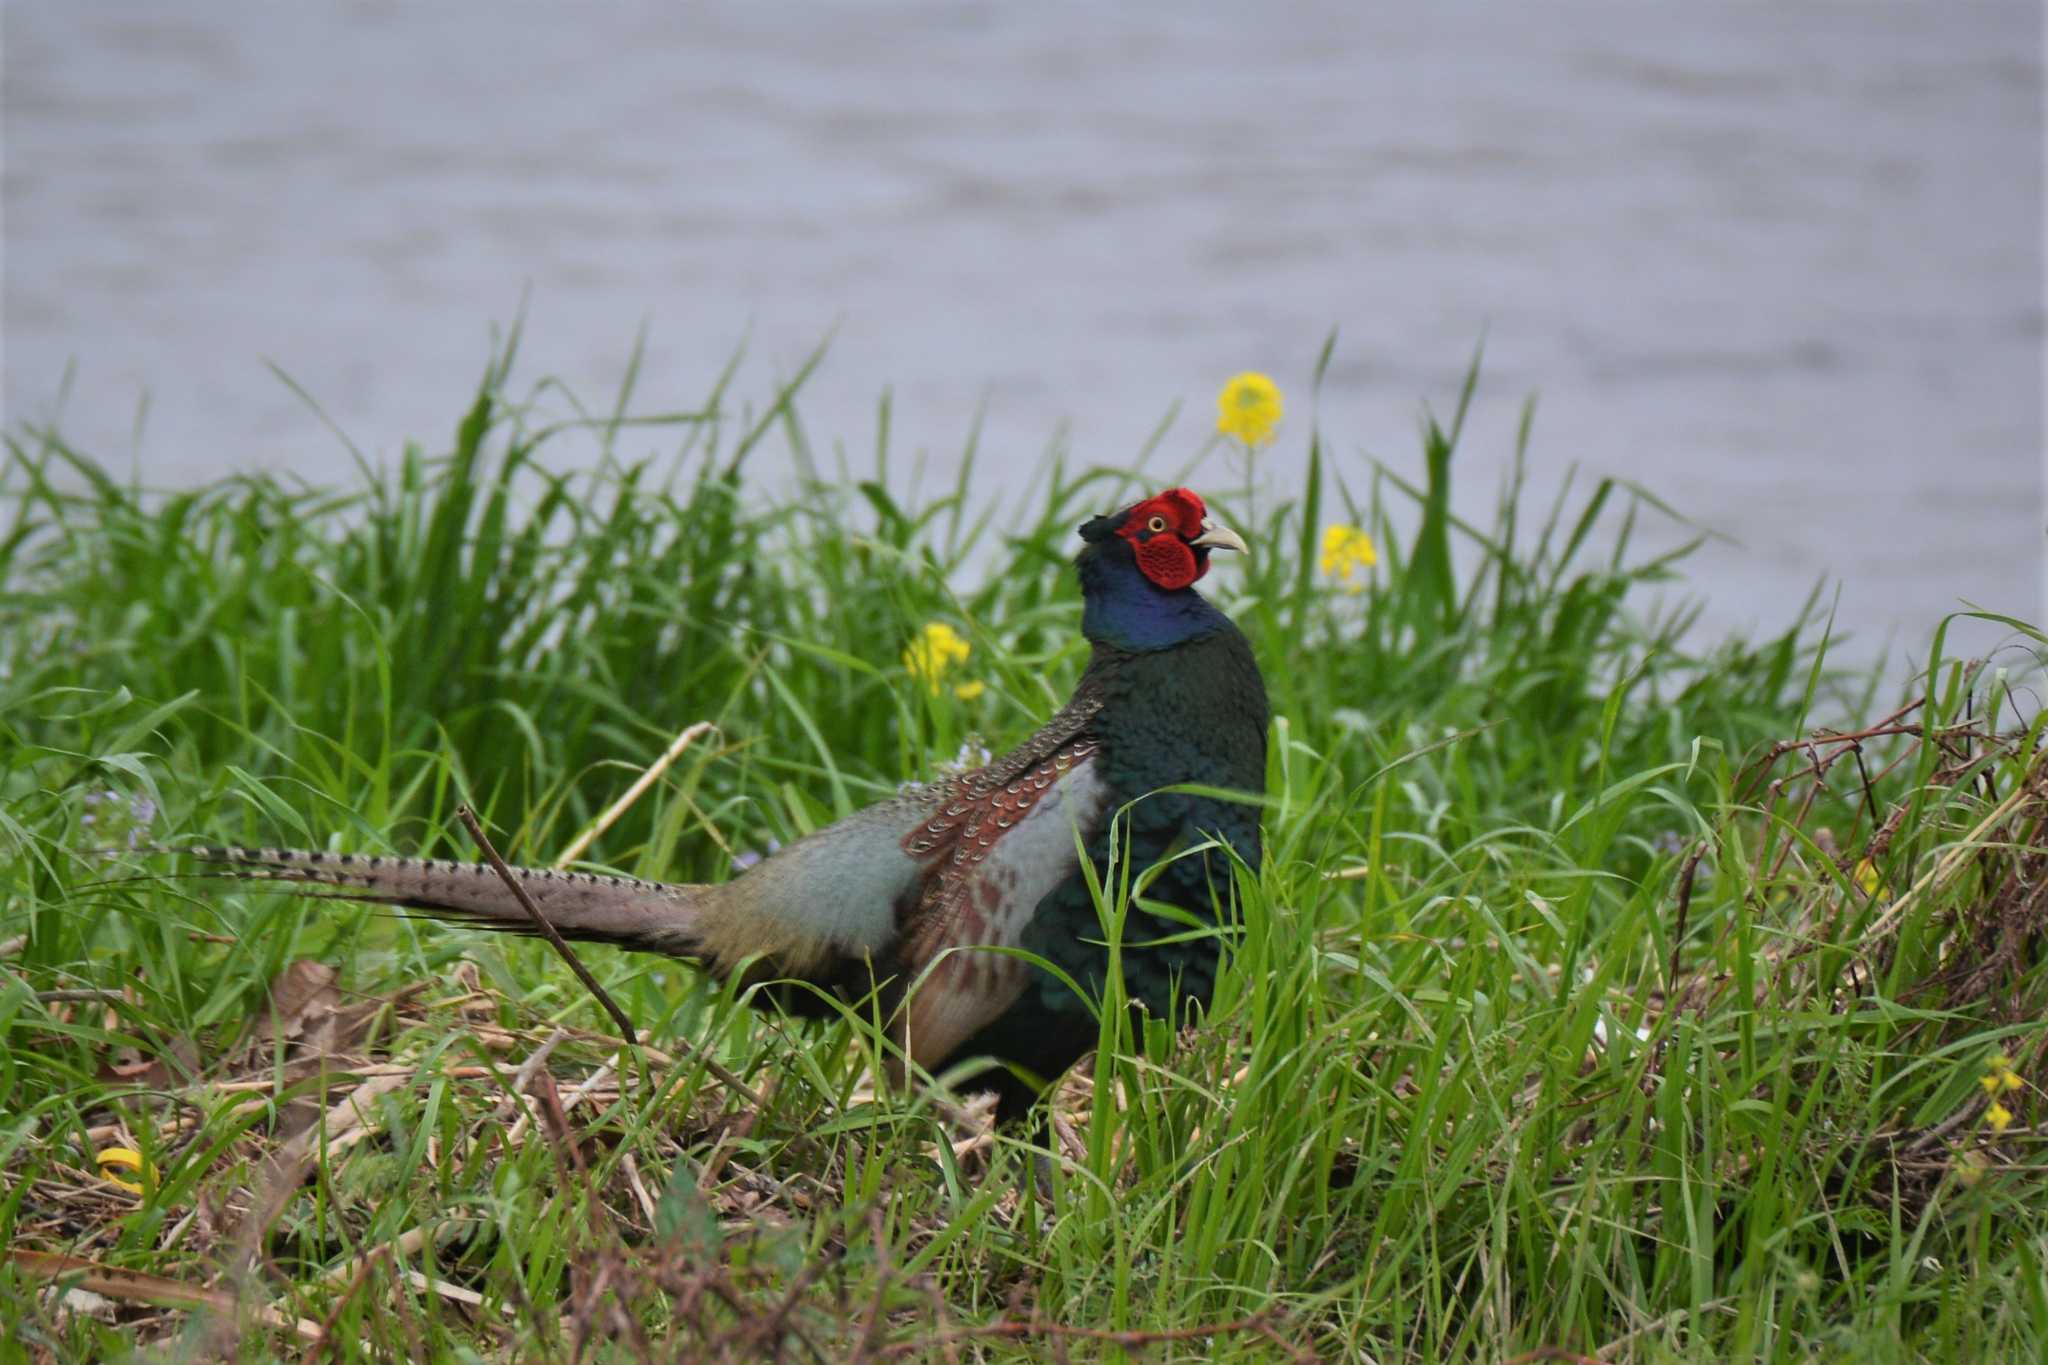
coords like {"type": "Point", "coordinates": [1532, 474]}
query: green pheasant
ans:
{"type": "Point", "coordinates": [900, 896]}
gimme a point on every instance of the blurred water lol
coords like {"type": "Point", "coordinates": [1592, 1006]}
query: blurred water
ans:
{"type": "Point", "coordinates": [1782, 264]}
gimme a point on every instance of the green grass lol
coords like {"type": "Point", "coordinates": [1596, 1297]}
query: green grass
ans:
{"type": "Point", "coordinates": [1566, 1012]}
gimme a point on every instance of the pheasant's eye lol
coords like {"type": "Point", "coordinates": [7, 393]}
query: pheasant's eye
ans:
{"type": "Point", "coordinates": [1156, 525]}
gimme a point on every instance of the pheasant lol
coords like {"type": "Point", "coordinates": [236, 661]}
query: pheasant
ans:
{"type": "Point", "coordinates": [898, 897]}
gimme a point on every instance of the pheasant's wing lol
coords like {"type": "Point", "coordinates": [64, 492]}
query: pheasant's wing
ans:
{"type": "Point", "coordinates": [1000, 849]}
{"type": "Point", "coordinates": [1003, 838]}
{"type": "Point", "coordinates": [1069, 723]}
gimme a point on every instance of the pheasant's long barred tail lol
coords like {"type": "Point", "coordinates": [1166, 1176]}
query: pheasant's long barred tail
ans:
{"type": "Point", "coordinates": [651, 916]}
{"type": "Point", "coordinates": [367, 869]}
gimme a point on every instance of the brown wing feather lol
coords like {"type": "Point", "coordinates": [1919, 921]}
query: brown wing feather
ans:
{"type": "Point", "coordinates": [958, 839]}
{"type": "Point", "coordinates": [985, 883]}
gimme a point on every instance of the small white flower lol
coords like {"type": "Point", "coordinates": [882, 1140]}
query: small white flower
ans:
{"type": "Point", "coordinates": [973, 754]}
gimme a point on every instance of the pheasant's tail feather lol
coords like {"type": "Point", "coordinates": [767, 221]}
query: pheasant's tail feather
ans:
{"type": "Point", "coordinates": [656, 917]}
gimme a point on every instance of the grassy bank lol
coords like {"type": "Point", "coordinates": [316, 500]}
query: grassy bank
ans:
{"type": "Point", "coordinates": [1586, 1001]}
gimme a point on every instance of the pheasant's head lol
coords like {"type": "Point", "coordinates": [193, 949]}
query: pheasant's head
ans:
{"type": "Point", "coordinates": [1169, 536]}
{"type": "Point", "coordinates": [1139, 568]}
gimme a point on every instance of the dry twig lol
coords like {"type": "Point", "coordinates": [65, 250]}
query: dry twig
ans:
{"type": "Point", "coordinates": [547, 929]}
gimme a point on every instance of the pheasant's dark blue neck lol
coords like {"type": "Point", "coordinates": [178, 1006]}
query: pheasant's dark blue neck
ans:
{"type": "Point", "coordinates": [1123, 608]}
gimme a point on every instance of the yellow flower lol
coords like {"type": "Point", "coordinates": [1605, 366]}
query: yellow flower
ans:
{"type": "Point", "coordinates": [113, 1159]}
{"type": "Point", "coordinates": [1248, 409]}
{"type": "Point", "coordinates": [937, 648]}
{"type": "Point", "coordinates": [968, 691]}
{"type": "Point", "coordinates": [1998, 1116]}
{"type": "Point", "coordinates": [2001, 1076]}
{"type": "Point", "coordinates": [1347, 549]}
{"type": "Point", "coordinates": [1867, 878]}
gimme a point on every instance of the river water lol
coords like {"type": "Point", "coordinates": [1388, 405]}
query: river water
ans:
{"type": "Point", "coordinates": [1782, 264]}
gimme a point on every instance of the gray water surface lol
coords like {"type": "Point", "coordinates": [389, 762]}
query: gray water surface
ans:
{"type": "Point", "coordinates": [1782, 264]}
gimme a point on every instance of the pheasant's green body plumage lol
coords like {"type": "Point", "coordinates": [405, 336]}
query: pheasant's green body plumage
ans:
{"type": "Point", "coordinates": [899, 897]}
{"type": "Point", "coordinates": [1190, 713]}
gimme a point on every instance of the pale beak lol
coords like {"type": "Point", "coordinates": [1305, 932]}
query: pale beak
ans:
{"type": "Point", "coordinates": [1216, 537]}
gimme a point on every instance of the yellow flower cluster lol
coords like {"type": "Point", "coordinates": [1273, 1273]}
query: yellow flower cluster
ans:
{"type": "Point", "coordinates": [1249, 409]}
{"type": "Point", "coordinates": [1999, 1080]}
{"type": "Point", "coordinates": [1348, 550]}
{"type": "Point", "coordinates": [936, 650]}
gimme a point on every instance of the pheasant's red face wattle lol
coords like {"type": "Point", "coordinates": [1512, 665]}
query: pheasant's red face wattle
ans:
{"type": "Point", "coordinates": [1160, 530]}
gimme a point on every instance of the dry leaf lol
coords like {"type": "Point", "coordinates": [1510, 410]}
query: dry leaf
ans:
{"type": "Point", "coordinates": [303, 1002]}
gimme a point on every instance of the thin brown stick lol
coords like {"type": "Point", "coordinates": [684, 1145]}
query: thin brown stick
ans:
{"type": "Point", "coordinates": [1869, 793]}
{"type": "Point", "coordinates": [561, 1136]}
{"type": "Point", "coordinates": [724, 1074]}
{"type": "Point", "coordinates": [1798, 821]}
{"type": "Point", "coordinates": [547, 930]}
{"type": "Point", "coordinates": [1893, 724]}
{"type": "Point", "coordinates": [720, 1072]}
{"type": "Point", "coordinates": [1692, 867]}
{"type": "Point", "coordinates": [356, 1281]}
